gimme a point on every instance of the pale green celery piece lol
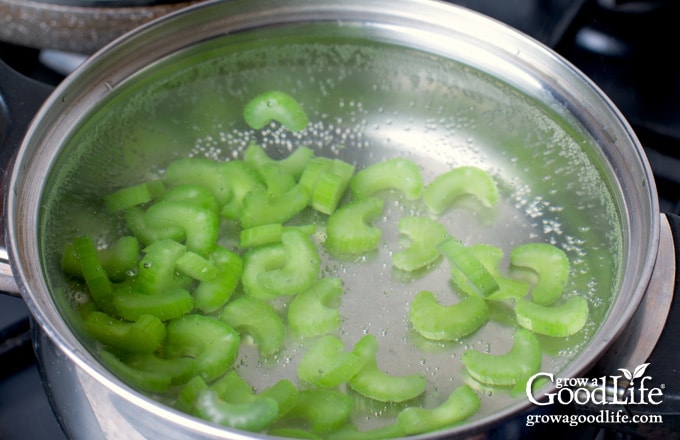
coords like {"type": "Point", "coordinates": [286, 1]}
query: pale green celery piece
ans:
{"type": "Point", "coordinates": [314, 312]}
{"type": "Point", "coordinates": [134, 195]}
{"type": "Point", "coordinates": [551, 265]}
{"type": "Point", "coordinates": [464, 260]}
{"type": "Point", "coordinates": [260, 260]}
{"type": "Point", "coordinates": [323, 410]}
{"type": "Point", "coordinates": [180, 370]}
{"type": "Point", "coordinates": [200, 171]}
{"type": "Point", "coordinates": [523, 360]}
{"type": "Point", "coordinates": [258, 319]}
{"type": "Point", "coordinates": [326, 364]}
{"type": "Point", "coordinates": [242, 178]}
{"type": "Point", "coordinates": [398, 174]}
{"type": "Point", "coordinates": [447, 323]}
{"type": "Point", "coordinates": [146, 334]}
{"type": "Point", "coordinates": [197, 195]}
{"type": "Point", "coordinates": [148, 381]}
{"type": "Point", "coordinates": [285, 393]}
{"type": "Point", "coordinates": [116, 260]}
{"type": "Point", "coordinates": [293, 164]}
{"type": "Point", "coordinates": [136, 221]}
{"type": "Point", "coordinates": [261, 235]}
{"type": "Point", "coordinates": [195, 266]}
{"type": "Point", "coordinates": [201, 226]}
{"type": "Point", "coordinates": [348, 230]}
{"type": "Point", "coordinates": [172, 303]}
{"type": "Point", "coordinates": [277, 180]}
{"type": "Point", "coordinates": [460, 405]}
{"type": "Point", "coordinates": [253, 416]}
{"type": "Point", "coordinates": [189, 393]}
{"type": "Point", "coordinates": [557, 320]}
{"type": "Point", "coordinates": [276, 106]}
{"type": "Point", "coordinates": [98, 283]}
{"type": "Point", "coordinates": [376, 384]}
{"type": "Point", "coordinates": [424, 235]}
{"type": "Point", "coordinates": [212, 294]}
{"type": "Point", "coordinates": [330, 187]}
{"type": "Point", "coordinates": [212, 342]}
{"type": "Point", "coordinates": [233, 388]}
{"type": "Point", "coordinates": [156, 270]}
{"type": "Point", "coordinates": [446, 188]}
{"type": "Point", "coordinates": [313, 170]}
{"type": "Point", "coordinates": [259, 208]}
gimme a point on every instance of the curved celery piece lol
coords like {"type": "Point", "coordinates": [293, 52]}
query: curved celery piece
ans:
{"type": "Point", "coordinates": [261, 235]}
{"type": "Point", "coordinates": [285, 269]}
{"type": "Point", "coordinates": [447, 323]}
{"type": "Point", "coordinates": [201, 226]}
{"type": "Point", "coordinates": [398, 173]}
{"type": "Point", "coordinates": [156, 270]}
{"type": "Point", "coordinates": [180, 370]}
{"type": "Point", "coordinates": [189, 393]}
{"type": "Point", "coordinates": [523, 360]}
{"type": "Point", "coordinates": [327, 365]}
{"type": "Point", "coordinates": [285, 393]}
{"type": "Point", "coordinates": [311, 312]}
{"type": "Point", "coordinates": [233, 388]}
{"type": "Point", "coordinates": [276, 106]}
{"type": "Point", "coordinates": [259, 208]}
{"type": "Point", "coordinates": [327, 181]}
{"type": "Point", "coordinates": [134, 195]}
{"type": "Point", "coordinates": [212, 342]}
{"type": "Point", "coordinates": [242, 178]}
{"type": "Point", "coordinates": [550, 264]}
{"type": "Point", "coordinates": [461, 404]}
{"type": "Point", "coordinates": [145, 334]}
{"type": "Point", "coordinates": [136, 221]}
{"type": "Point", "coordinates": [257, 318]}
{"type": "Point", "coordinates": [116, 260]}
{"type": "Point", "coordinates": [557, 320]}
{"type": "Point", "coordinates": [276, 179]}
{"type": "Point", "coordinates": [196, 267]}
{"type": "Point", "coordinates": [374, 383]}
{"type": "Point", "coordinates": [443, 191]}
{"type": "Point", "coordinates": [197, 195]}
{"type": "Point", "coordinates": [293, 164]}
{"type": "Point", "coordinates": [463, 259]}
{"type": "Point", "coordinates": [149, 381]}
{"type": "Point", "coordinates": [98, 283]}
{"type": "Point", "coordinates": [350, 432]}
{"type": "Point", "coordinates": [167, 305]}
{"type": "Point", "coordinates": [212, 294]}
{"type": "Point", "coordinates": [323, 410]}
{"type": "Point", "coordinates": [424, 234]}
{"type": "Point", "coordinates": [204, 172]}
{"type": "Point", "coordinates": [348, 231]}
{"type": "Point", "coordinates": [252, 416]}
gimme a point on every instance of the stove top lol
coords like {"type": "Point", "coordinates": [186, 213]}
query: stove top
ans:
{"type": "Point", "coordinates": [624, 46]}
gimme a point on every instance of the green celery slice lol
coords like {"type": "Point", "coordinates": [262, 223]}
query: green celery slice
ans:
{"type": "Point", "coordinates": [146, 334]}
{"type": "Point", "coordinates": [257, 318]}
{"type": "Point", "coordinates": [201, 226]}
{"type": "Point", "coordinates": [557, 320]}
{"type": "Point", "coordinates": [259, 208]}
{"type": "Point", "coordinates": [444, 190]}
{"type": "Point", "coordinates": [285, 393]}
{"type": "Point", "coordinates": [293, 164]}
{"type": "Point", "coordinates": [277, 180]}
{"type": "Point", "coordinates": [233, 388]}
{"type": "Point", "coordinates": [376, 384]}
{"type": "Point", "coordinates": [312, 312]}
{"type": "Point", "coordinates": [195, 266]}
{"type": "Point", "coordinates": [117, 260]}
{"type": "Point", "coordinates": [200, 171]}
{"type": "Point", "coordinates": [149, 381]}
{"type": "Point", "coordinates": [463, 259]}
{"type": "Point", "coordinates": [189, 393]}
{"type": "Point", "coordinates": [260, 260]}
{"type": "Point", "coordinates": [156, 270]}
{"type": "Point", "coordinates": [323, 410]}
{"type": "Point", "coordinates": [447, 323]}
{"type": "Point", "coordinates": [134, 195]}
{"type": "Point", "coordinates": [180, 370]}
{"type": "Point", "coordinates": [276, 106]}
{"type": "Point", "coordinates": [242, 178]}
{"type": "Point", "coordinates": [327, 365]}
{"type": "Point", "coordinates": [523, 360]}
{"type": "Point", "coordinates": [96, 279]}
{"type": "Point", "coordinates": [252, 416]}
{"type": "Point", "coordinates": [398, 173]}
{"type": "Point", "coordinates": [212, 294]}
{"type": "Point", "coordinates": [196, 195]}
{"type": "Point", "coordinates": [551, 265]}
{"type": "Point", "coordinates": [330, 186]}
{"type": "Point", "coordinates": [460, 405]}
{"type": "Point", "coordinates": [136, 221]}
{"type": "Point", "coordinates": [424, 235]}
{"type": "Point", "coordinates": [170, 304]}
{"type": "Point", "coordinates": [348, 231]}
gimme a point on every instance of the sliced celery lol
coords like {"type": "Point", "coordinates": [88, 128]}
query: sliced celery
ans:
{"type": "Point", "coordinates": [444, 190]}
{"type": "Point", "coordinates": [398, 174]}
{"type": "Point", "coordinates": [212, 294]}
{"type": "Point", "coordinates": [424, 234]}
{"type": "Point", "coordinates": [233, 388]}
{"type": "Point", "coordinates": [117, 260]}
{"type": "Point", "coordinates": [98, 282]}
{"type": "Point", "coordinates": [551, 265]}
{"type": "Point", "coordinates": [327, 181]}
{"type": "Point", "coordinates": [252, 416]}
{"type": "Point", "coordinates": [348, 231]}
{"type": "Point", "coordinates": [460, 405]}
{"type": "Point", "coordinates": [285, 393]}
{"type": "Point", "coordinates": [156, 272]}
{"type": "Point", "coordinates": [463, 259]}
{"type": "Point", "coordinates": [149, 381]}
{"type": "Point", "coordinates": [197, 195]}
{"type": "Point", "coordinates": [260, 260]}
{"type": "Point", "coordinates": [134, 195]}
{"type": "Point", "coordinates": [327, 365]}
{"type": "Point", "coordinates": [447, 323]}
{"type": "Point", "coordinates": [313, 312]}
{"type": "Point", "coordinates": [294, 164]}
{"type": "Point", "coordinates": [199, 171]}
{"type": "Point", "coordinates": [376, 384]}
{"type": "Point", "coordinates": [242, 178]}
{"type": "Point", "coordinates": [180, 370]}
{"type": "Point", "coordinates": [189, 393]}
{"type": "Point", "coordinates": [201, 226]}
{"type": "Point", "coordinates": [523, 360]}
{"type": "Point", "coordinates": [259, 208]}
{"type": "Point", "coordinates": [145, 334]}
{"type": "Point", "coordinates": [323, 410]}
{"type": "Point", "coordinates": [557, 320]}
{"type": "Point", "coordinates": [169, 304]}
{"type": "Point", "coordinates": [276, 106]}
{"type": "Point", "coordinates": [136, 221]}
{"type": "Point", "coordinates": [261, 235]}
{"type": "Point", "coordinates": [258, 319]}
{"type": "Point", "coordinates": [195, 266]}
{"type": "Point", "coordinates": [212, 342]}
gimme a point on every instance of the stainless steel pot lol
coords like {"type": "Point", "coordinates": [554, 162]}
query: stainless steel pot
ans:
{"type": "Point", "coordinates": [571, 166]}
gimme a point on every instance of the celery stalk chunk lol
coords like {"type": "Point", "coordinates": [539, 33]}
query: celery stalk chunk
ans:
{"type": "Point", "coordinates": [258, 319]}
{"type": "Point", "coordinates": [195, 266]}
{"type": "Point", "coordinates": [424, 234]}
{"type": "Point", "coordinates": [314, 312]}
{"type": "Point", "coordinates": [204, 172]}
{"type": "Point", "coordinates": [523, 360]}
{"type": "Point", "coordinates": [96, 279]}
{"type": "Point", "coordinates": [156, 270]}
{"type": "Point", "coordinates": [551, 265]}
{"type": "Point", "coordinates": [146, 334]}
{"type": "Point", "coordinates": [460, 405]}
{"type": "Point", "coordinates": [136, 221]}
{"type": "Point", "coordinates": [285, 393]}
{"type": "Point", "coordinates": [376, 384]}
{"type": "Point", "coordinates": [252, 416]}
{"type": "Point", "coordinates": [260, 208]}
{"type": "Point", "coordinates": [134, 195]}
{"type": "Point", "coordinates": [294, 164]}
{"type": "Point", "coordinates": [557, 320]}
{"type": "Point", "coordinates": [446, 188]}
{"type": "Point", "coordinates": [201, 226]}
{"type": "Point", "coordinates": [447, 323]}
{"type": "Point", "coordinates": [117, 260]}
{"type": "Point", "coordinates": [327, 365]}
{"type": "Point", "coordinates": [322, 410]}
{"type": "Point", "coordinates": [463, 259]}
{"type": "Point", "coordinates": [170, 304]}
{"type": "Point", "coordinates": [398, 174]}
{"type": "Point", "coordinates": [196, 195]}
{"type": "Point", "coordinates": [149, 381]}
{"type": "Point", "coordinates": [189, 393]}
{"type": "Point", "coordinates": [348, 230]}
{"type": "Point", "coordinates": [276, 106]}
{"type": "Point", "coordinates": [260, 260]}
{"type": "Point", "coordinates": [233, 388]}
{"type": "Point", "coordinates": [211, 294]}
{"type": "Point", "coordinates": [211, 342]}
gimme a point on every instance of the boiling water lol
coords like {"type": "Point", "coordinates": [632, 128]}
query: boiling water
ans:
{"type": "Point", "coordinates": [365, 102]}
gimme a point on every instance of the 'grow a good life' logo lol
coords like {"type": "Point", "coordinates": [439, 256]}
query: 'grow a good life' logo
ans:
{"type": "Point", "coordinates": [629, 388]}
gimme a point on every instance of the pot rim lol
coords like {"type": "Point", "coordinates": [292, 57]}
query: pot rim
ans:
{"type": "Point", "coordinates": [111, 65]}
